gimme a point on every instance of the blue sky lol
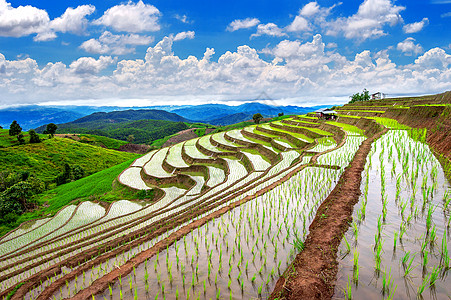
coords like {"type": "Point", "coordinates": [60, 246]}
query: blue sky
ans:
{"type": "Point", "coordinates": [185, 52]}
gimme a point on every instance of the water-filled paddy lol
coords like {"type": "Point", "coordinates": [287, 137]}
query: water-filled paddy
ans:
{"type": "Point", "coordinates": [240, 254]}
{"type": "Point", "coordinates": [398, 244]}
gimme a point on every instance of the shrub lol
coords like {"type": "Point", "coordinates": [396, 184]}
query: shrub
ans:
{"type": "Point", "coordinates": [34, 137]}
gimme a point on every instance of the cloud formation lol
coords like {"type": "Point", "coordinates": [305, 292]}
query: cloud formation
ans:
{"type": "Point", "coordinates": [184, 35]}
{"type": "Point", "coordinates": [269, 29]}
{"type": "Point", "coordinates": [27, 20]}
{"type": "Point", "coordinates": [73, 20]}
{"type": "Point", "coordinates": [116, 44]}
{"type": "Point", "coordinates": [415, 27]}
{"type": "Point", "coordinates": [408, 47]}
{"type": "Point", "coordinates": [369, 21]}
{"type": "Point", "coordinates": [243, 24]}
{"type": "Point", "coordinates": [89, 65]}
{"type": "Point", "coordinates": [21, 21]}
{"type": "Point", "coordinates": [299, 70]}
{"type": "Point", "coordinates": [131, 17]}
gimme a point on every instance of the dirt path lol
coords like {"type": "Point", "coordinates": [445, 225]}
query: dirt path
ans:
{"type": "Point", "coordinates": [312, 274]}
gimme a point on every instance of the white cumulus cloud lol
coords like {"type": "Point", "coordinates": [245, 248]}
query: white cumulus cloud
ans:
{"type": "Point", "coordinates": [436, 58]}
{"type": "Point", "coordinates": [368, 22]}
{"type": "Point", "coordinates": [89, 65]}
{"type": "Point", "coordinates": [131, 17]}
{"type": "Point", "coordinates": [184, 35]}
{"type": "Point", "coordinates": [409, 47]}
{"type": "Point", "coordinates": [270, 29]}
{"type": "Point", "coordinates": [243, 24]}
{"type": "Point", "coordinates": [300, 71]}
{"type": "Point", "coordinates": [117, 44]}
{"type": "Point", "coordinates": [299, 24]}
{"type": "Point", "coordinates": [310, 9]}
{"type": "Point", "coordinates": [415, 27]}
{"type": "Point", "coordinates": [72, 20]}
{"type": "Point", "coordinates": [22, 20]}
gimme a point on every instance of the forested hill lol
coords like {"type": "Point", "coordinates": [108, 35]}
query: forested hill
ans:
{"type": "Point", "coordinates": [131, 115]}
{"type": "Point", "coordinates": [143, 125]}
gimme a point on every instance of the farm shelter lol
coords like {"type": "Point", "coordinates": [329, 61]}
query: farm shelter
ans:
{"type": "Point", "coordinates": [326, 114]}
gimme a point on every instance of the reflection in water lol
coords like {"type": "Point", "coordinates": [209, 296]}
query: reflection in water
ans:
{"type": "Point", "coordinates": [400, 226]}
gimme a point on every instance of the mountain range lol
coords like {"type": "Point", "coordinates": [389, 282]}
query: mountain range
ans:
{"type": "Point", "coordinates": [216, 114]}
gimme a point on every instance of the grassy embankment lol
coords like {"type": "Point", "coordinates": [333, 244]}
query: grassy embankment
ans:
{"type": "Point", "coordinates": [46, 159]}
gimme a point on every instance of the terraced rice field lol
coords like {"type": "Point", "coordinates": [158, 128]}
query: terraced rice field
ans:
{"type": "Point", "coordinates": [397, 246]}
{"type": "Point", "coordinates": [231, 211]}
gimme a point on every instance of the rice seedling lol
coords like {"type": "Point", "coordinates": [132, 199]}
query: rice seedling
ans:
{"type": "Point", "coordinates": [435, 273]}
{"type": "Point", "coordinates": [423, 285]}
{"type": "Point", "coordinates": [355, 273]}
{"type": "Point", "coordinates": [444, 255]}
{"type": "Point", "coordinates": [348, 290]}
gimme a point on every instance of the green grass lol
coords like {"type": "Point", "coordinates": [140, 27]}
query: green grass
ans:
{"type": "Point", "coordinates": [46, 160]}
{"type": "Point", "coordinates": [296, 135]}
{"type": "Point", "coordinates": [389, 123]}
{"type": "Point", "coordinates": [309, 117]}
{"type": "Point", "coordinates": [347, 127]}
{"type": "Point", "coordinates": [7, 141]}
{"type": "Point", "coordinates": [98, 186]}
{"type": "Point", "coordinates": [98, 140]}
{"type": "Point", "coordinates": [94, 185]}
{"type": "Point", "coordinates": [348, 116]}
{"type": "Point", "coordinates": [305, 122]}
{"type": "Point", "coordinates": [363, 111]}
{"type": "Point", "coordinates": [438, 104]}
{"type": "Point", "coordinates": [199, 125]}
{"type": "Point", "coordinates": [200, 131]}
{"type": "Point", "coordinates": [253, 151]}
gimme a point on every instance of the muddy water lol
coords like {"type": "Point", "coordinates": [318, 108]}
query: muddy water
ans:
{"type": "Point", "coordinates": [237, 256]}
{"type": "Point", "coordinates": [405, 175]}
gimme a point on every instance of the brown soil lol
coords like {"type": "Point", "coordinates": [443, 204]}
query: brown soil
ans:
{"type": "Point", "coordinates": [135, 148]}
{"type": "Point", "coordinates": [72, 136]}
{"type": "Point", "coordinates": [312, 274]}
{"type": "Point", "coordinates": [181, 136]}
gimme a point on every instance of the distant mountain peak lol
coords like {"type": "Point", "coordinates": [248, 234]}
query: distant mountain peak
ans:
{"type": "Point", "coordinates": [263, 96]}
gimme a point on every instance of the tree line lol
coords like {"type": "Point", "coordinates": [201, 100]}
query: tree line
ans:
{"type": "Point", "coordinates": [16, 130]}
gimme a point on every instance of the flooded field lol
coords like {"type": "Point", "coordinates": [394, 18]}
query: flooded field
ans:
{"type": "Point", "coordinates": [239, 255]}
{"type": "Point", "coordinates": [397, 246]}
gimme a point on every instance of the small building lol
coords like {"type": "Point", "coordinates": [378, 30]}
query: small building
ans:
{"type": "Point", "coordinates": [326, 114]}
{"type": "Point", "coordinates": [377, 96]}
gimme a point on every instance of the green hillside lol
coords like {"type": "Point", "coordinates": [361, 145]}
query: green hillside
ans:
{"type": "Point", "coordinates": [144, 131]}
{"type": "Point", "coordinates": [98, 185]}
{"type": "Point", "coordinates": [46, 160]}
{"type": "Point", "coordinates": [96, 140]}
{"type": "Point", "coordinates": [6, 140]}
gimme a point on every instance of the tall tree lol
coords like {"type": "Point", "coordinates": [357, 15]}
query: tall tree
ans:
{"type": "Point", "coordinates": [14, 128]}
{"type": "Point", "coordinates": [51, 129]}
{"type": "Point", "coordinates": [34, 137]}
{"type": "Point", "coordinates": [257, 118]}
{"type": "Point", "coordinates": [357, 97]}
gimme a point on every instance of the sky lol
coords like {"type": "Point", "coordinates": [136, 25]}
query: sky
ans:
{"type": "Point", "coordinates": [178, 52]}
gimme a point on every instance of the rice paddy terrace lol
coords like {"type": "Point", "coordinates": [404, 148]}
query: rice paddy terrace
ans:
{"type": "Point", "coordinates": [232, 210]}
